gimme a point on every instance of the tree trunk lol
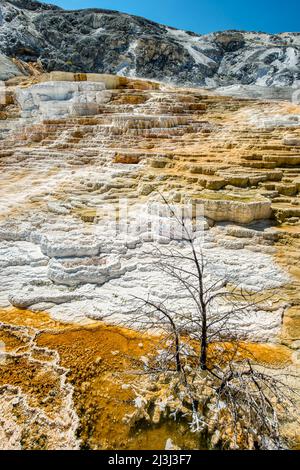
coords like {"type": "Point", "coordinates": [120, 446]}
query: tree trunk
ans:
{"type": "Point", "coordinates": [203, 352]}
{"type": "Point", "coordinates": [177, 354]}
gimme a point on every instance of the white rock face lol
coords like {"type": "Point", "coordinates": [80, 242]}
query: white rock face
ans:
{"type": "Point", "coordinates": [277, 91]}
{"type": "Point", "coordinates": [60, 99]}
{"type": "Point", "coordinates": [21, 254]}
{"type": "Point", "coordinates": [276, 119]}
{"type": "Point", "coordinates": [75, 245]}
{"type": "Point", "coordinates": [76, 271]}
{"type": "Point", "coordinates": [100, 282]}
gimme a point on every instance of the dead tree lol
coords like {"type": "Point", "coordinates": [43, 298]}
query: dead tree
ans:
{"type": "Point", "coordinates": [203, 347]}
{"type": "Point", "coordinates": [204, 322]}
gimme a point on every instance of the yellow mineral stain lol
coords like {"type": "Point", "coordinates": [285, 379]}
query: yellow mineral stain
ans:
{"type": "Point", "coordinates": [101, 358]}
{"type": "Point", "coordinates": [27, 318]}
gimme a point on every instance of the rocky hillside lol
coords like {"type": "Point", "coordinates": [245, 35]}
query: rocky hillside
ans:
{"type": "Point", "coordinates": [95, 40]}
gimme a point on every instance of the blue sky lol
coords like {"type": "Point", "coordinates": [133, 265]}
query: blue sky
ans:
{"type": "Point", "coordinates": [205, 16]}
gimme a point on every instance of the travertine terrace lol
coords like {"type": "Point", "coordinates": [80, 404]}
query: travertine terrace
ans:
{"type": "Point", "coordinates": [68, 158]}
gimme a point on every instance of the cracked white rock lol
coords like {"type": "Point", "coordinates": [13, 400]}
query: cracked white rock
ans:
{"type": "Point", "coordinates": [49, 100]}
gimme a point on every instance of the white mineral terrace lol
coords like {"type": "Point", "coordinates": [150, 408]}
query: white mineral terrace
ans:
{"type": "Point", "coordinates": [78, 271]}
{"type": "Point", "coordinates": [84, 162]}
{"type": "Point", "coordinates": [59, 252]}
